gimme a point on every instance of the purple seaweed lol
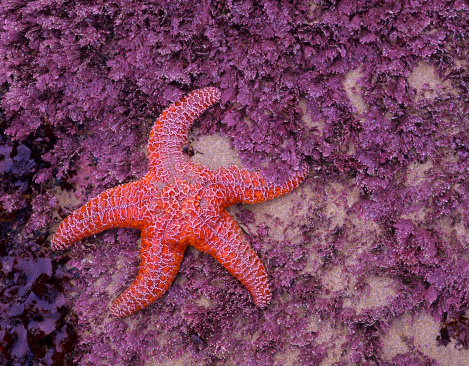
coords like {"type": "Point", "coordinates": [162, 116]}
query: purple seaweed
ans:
{"type": "Point", "coordinates": [80, 86]}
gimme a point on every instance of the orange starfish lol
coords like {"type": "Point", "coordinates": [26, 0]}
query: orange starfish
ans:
{"type": "Point", "coordinates": [179, 203]}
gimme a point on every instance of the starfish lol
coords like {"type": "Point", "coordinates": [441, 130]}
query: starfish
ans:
{"type": "Point", "coordinates": [179, 203]}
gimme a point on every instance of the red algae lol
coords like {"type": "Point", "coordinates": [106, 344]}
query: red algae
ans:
{"type": "Point", "coordinates": [33, 310]}
{"type": "Point", "coordinates": [455, 329]}
{"type": "Point", "coordinates": [387, 197]}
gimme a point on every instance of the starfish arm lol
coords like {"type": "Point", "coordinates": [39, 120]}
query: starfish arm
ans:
{"type": "Point", "coordinates": [170, 130]}
{"type": "Point", "coordinates": [116, 207]}
{"type": "Point", "coordinates": [228, 246]}
{"type": "Point", "coordinates": [159, 265]}
{"type": "Point", "coordinates": [242, 185]}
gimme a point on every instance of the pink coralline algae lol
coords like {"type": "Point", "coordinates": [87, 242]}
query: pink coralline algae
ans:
{"type": "Point", "coordinates": [373, 95]}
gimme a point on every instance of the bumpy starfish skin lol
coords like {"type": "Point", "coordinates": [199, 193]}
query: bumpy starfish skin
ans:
{"type": "Point", "coordinates": [179, 203]}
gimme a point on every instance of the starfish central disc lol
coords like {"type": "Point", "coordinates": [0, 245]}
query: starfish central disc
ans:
{"type": "Point", "coordinates": [179, 203]}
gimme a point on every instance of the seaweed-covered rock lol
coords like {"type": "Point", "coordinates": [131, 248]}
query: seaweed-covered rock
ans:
{"type": "Point", "coordinates": [372, 94]}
